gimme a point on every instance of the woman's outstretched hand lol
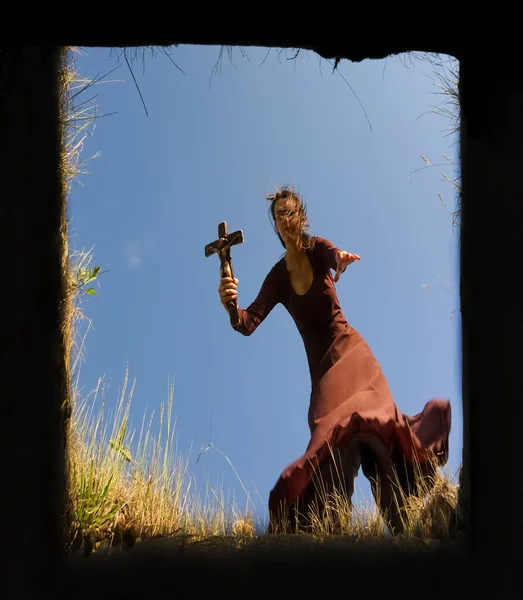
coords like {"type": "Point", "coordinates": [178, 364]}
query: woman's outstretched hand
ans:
{"type": "Point", "coordinates": [343, 260]}
{"type": "Point", "coordinates": [227, 290]}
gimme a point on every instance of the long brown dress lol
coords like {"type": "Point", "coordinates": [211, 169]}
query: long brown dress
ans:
{"type": "Point", "coordinates": [352, 417]}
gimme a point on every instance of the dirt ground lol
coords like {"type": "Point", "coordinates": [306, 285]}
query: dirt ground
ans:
{"type": "Point", "coordinates": [175, 565]}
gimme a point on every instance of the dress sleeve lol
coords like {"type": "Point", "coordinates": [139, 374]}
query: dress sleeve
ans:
{"type": "Point", "coordinates": [266, 300]}
{"type": "Point", "coordinates": [326, 252]}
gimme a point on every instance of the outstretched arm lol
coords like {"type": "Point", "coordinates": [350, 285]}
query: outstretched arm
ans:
{"type": "Point", "coordinates": [252, 316]}
{"type": "Point", "coordinates": [334, 258]}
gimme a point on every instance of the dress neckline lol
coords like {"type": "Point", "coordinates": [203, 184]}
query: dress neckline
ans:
{"type": "Point", "coordinates": [288, 276]}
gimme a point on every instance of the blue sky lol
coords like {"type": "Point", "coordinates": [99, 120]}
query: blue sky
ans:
{"type": "Point", "coordinates": [209, 149]}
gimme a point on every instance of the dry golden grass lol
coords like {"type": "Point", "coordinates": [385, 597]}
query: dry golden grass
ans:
{"type": "Point", "coordinates": [121, 495]}
{"type": "Point", "coordinates": [146, 493]}
{"type": "Point", "coordinates": [427, 512]}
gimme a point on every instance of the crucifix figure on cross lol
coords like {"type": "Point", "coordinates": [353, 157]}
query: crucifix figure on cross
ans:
{"type": "Point", "coordinates": [222, 247]}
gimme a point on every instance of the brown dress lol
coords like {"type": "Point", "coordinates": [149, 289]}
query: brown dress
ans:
{"type": "Point", "coordinates": [352, 416]}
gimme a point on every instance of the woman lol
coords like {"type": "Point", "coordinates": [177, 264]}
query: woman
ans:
{"type": "Point", "coordinates": [352, 417]}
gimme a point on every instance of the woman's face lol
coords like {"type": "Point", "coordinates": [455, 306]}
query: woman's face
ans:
{"type": "Point", "coordinates": [283, 211]}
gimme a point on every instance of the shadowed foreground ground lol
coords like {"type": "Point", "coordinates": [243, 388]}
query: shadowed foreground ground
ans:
{"type": "Point", "coordinates": [393, 567]}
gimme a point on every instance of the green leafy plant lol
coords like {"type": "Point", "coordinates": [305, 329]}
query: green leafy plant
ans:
{"type": "Point", "coordinates": [91, 506]}
{"type": "Point", "coordinates": [84, 276]}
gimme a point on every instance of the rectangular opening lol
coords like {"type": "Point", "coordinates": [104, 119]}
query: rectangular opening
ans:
{"type": "Point", "coordinates": [198, 136]}
{"type": "Point", "coordinates": [86, 569]}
